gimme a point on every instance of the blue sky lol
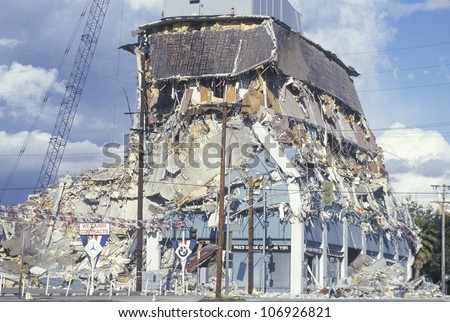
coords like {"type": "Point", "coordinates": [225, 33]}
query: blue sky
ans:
{"type": "Point", "coordinates": [400, 48]}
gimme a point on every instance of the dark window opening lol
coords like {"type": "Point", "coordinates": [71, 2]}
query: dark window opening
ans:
{"type": "Point", "coordinates": [194, 1]}
{"type": "Point", "coordinates": [218, 89]}
{"type": "Point", "coordinates": [310, 170]}
{"type": "Point", "coordinates": [353, 253]}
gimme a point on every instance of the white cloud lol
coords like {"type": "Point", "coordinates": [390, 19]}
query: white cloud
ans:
{"type": "Point", "coordinates": [399, 10]}
{"type": "Point", "coordinates": [145, 4]}
{"type": "Point", "coordinates": [24, 86]}
{"type": "Point", "coordinates": [349, 26]}
{"type": "Point", "coordinates": [415, 158]}
{"type": "Point", "coordinates": [357, 31]}
{"type": "Point", "coordinates": [8, 43]}
{"type": "Point", "coordinates": [78, 156]}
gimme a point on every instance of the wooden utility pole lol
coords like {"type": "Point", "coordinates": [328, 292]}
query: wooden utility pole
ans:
{"type": "Point", "coordinates": [140, 205]}
{"type": "Point", "coordinates": [221, 204]}
{"type": "Point", "coordinates": [21, 265]}
{"type": "Point", "coordinates": [442, 209]}
{"type": "Point", "coordinates": [140, 187]}
{"type": "Point", "coordinates": [250, 236]}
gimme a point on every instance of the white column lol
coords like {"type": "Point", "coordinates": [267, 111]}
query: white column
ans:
{"type": "Point", "coordinates": [297, 256]}
{"type": "Point", "coordinates": [323, 275]}
{"type": "Point", "coordinates": [364, 242]}
{"type": "Point", "coordinates": [409, 270]}
{"type": "Point", "coordinates": [153, 258]}
{"type": "Point", "coordinates": [344, 263]}
{"type": "Point", "coordinates": [397, 255]}
{"type": "Point", "coordinates": [381, 246]}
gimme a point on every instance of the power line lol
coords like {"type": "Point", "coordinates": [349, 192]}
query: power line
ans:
{"type": "Point", "coordinates": [396, 49]}
{"type": "Point", "coordinates": [404, 69]}
{"type": "Point", "coordinates": [284, 190]}
{"type": "Point", "coordinates": [421, 126]}
{"type": "Point", "coordinates": [403, 88]}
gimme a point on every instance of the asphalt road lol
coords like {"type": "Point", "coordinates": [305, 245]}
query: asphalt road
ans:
{"type": "Point", "coordinates": [39, 295]}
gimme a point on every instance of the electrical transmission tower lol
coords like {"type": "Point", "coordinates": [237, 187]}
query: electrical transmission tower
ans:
{"type": "Point", "coordinates": [72, 96]}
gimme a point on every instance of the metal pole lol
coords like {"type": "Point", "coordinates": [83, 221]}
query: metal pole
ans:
{"type": "Point", "coordinates": [198, 273]}
{"type": "Point", "coordinates": [221, 205]}
{"type": "Point", "coordinates": [46, 286]}
{"type": "Point", "coordinates": [21, 265]}
{"type": "Point", "coordinates": [443, 216]}
{"type": "Point", "coordinates": [68, 286]}
{"type": "Point", "coordinates": [87, 285]}
{"type": "Point", "coordinates": [140, 205]}
{"type": "Point", "coordinates": [444, 293]}
{"type": "Point", "coordinates": [183, 268]}
{"type": "Point", "coordinates": [91, 292]}
{"type": "Point", "coordinates": [264, 243]}
{"type": "Point", "coordinates": [227, 246]}
{"type": "Point", "coordinates": [250, 236]}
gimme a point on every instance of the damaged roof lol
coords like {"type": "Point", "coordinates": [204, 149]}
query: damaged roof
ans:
{"type": "Point", "coordinates": [196, 47]}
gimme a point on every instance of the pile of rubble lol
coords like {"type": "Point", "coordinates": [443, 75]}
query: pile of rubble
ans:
{"type": "Point", "coordinates": [379, 280]}
{"type": "Point", "coordinates": [65, 261]}
{"type": "Point", "coordinates": [54, 254]}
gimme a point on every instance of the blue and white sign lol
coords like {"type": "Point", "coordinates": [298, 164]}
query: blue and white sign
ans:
{"type": "Point", "coordinates": [183, 250]}
{"type": "Point", "coordinates": [94, 237]}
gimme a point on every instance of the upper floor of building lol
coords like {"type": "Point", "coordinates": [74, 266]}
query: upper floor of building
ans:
{"type": "Point", "coordinates": [279, 9]}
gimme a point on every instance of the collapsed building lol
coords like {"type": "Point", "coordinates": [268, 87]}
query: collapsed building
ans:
{"type": "Point", "coordinates": [297, 141]}
{"type": "Point", "coordinates": [294, 125]}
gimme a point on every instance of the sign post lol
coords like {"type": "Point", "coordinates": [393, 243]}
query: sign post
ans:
{"type": "Point", "coordinates": [183, 250]}
{"type": "Point", "coordinates": [93, 237]}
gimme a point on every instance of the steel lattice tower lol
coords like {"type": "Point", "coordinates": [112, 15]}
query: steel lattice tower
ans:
{"type": "Point", "coordinates": [72, 94]}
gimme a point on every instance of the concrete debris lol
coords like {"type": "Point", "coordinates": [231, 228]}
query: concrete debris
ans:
{"type": "Point", "coordinates": [359, 263]}
{"type": "Point", "coordinates": [384, 282]}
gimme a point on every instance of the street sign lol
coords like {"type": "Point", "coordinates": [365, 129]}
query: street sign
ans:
{"type": "Point", "coordinates": [93, 248]}
{"type": "Point", "coordinates": [88, 228]}
{"type": "Point", "coordinates": [183, 250]}
{"type": "Point", "coordinates": [94, 237]}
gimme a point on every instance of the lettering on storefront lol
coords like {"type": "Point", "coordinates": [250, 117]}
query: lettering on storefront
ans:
{"type": "Point", "coordinates": [273, 248]}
